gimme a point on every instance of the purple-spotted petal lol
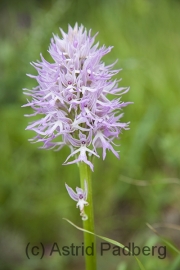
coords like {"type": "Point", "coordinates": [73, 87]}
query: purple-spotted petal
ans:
{"type": "Point", "coordinates": [71, 193]}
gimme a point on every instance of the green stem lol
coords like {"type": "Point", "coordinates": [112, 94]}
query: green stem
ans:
{"type": "Point", "coordinates": [89, 239]}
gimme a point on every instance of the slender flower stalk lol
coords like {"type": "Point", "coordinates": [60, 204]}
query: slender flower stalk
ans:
{"type": "Point", "coordinates": [89, 239]}
{"type": "Point", "coordinates": [83, 196]}
{"type": "Point", "coordinates": [74, 109]}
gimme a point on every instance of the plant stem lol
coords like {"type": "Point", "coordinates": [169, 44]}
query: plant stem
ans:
{"type": "Point", "coordinates": [89, 239]}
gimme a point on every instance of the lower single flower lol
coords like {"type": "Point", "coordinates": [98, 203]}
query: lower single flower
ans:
{"type": "Point", "coordinates": [80, 196]}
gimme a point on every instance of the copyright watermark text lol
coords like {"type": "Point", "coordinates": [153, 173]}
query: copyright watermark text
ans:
{"type": "Point", "coordinates": [40, 250]}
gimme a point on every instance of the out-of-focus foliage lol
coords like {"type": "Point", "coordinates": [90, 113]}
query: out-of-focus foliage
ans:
{"type": "Point", "coordinates": [146, 39]}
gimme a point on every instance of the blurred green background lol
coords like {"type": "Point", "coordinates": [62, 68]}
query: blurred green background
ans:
{"type": "Point", "coordinates": [33, 200]}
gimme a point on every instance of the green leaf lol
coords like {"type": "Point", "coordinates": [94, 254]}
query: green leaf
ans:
{"type": "Point", "coordinates": [107, 240]}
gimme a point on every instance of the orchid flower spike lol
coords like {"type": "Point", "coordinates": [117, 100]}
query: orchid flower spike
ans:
{"type": "Point", "coordinates": [80, 196]}
{"type": "Point", "coordinates": [72, 101]}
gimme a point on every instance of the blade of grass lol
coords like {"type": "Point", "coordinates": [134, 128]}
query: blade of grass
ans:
{"type": "Point", "coordinates": [164, 240]}
{"type": "Point", "coordinates": [169, 226]}
{"type": "Point", "coordinates": [144, 183]}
